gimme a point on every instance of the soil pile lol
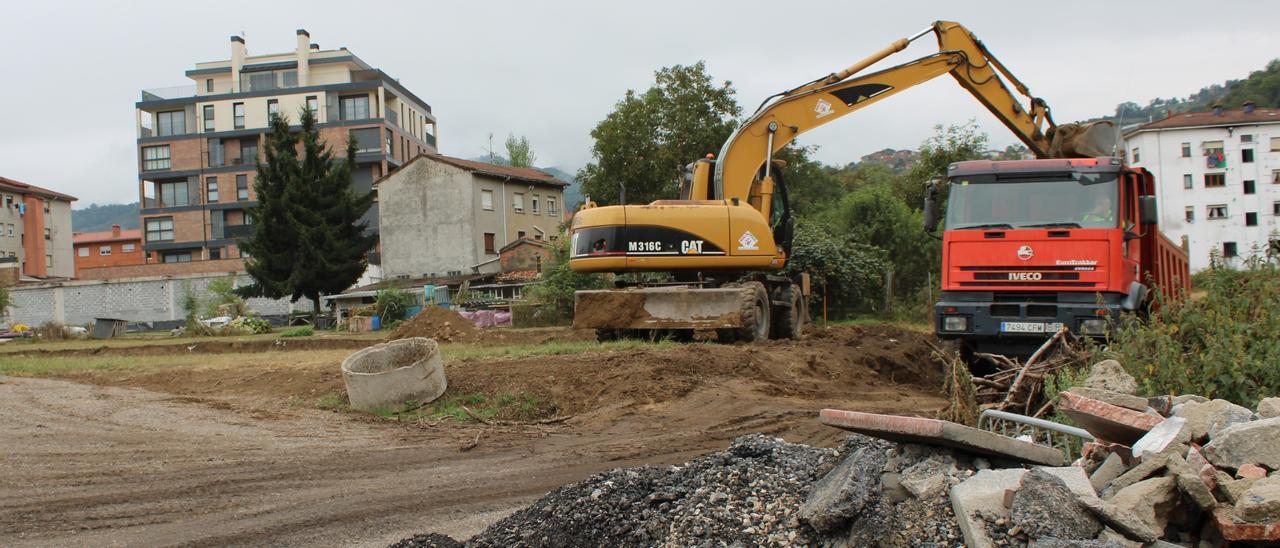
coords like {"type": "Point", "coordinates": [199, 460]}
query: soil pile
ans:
{"type": "Point", "coordinates": [438, 323]}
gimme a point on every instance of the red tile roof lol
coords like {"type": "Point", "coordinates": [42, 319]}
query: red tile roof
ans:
{"type": "Point", "coordinates": [26, 188]}
{"type": "Point", "coordinates": [527, 174]}
{"type": "Point", "coordinates": [106, 236]}
{"type": "Point", "coordinates": [1227, 118]}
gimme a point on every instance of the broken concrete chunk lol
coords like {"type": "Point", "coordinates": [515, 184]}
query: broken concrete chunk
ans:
{"type": "Point", "coordinates": [1170, 431]}
{"type": "Point", "coordinates": [983, 494]}
{"type": "Point", "coordinates": [1251, 471]}
{"type": "Point", "coordinates": [841, 494]}
{"type": "Point", "coordinates": [1127, 401]}
{"type": "Point", "coordinates": [1205, 419]}
{"type": "Point", "coordinates": [1234, 489]}
{"type": "Point", "coordinates": [1150, 500]}
{"type": "Point", "coordinates": [1269, 408]}
{"type": "Point", "coordinates": [1234, 530]}
{"type": "Point", "coordinates": [1248, 443]}
{"type": "Point", "coordinates": [1110, 469]}
{"type": "Point", "coordinates": [1123, 521]}
{"type": "Point", "coordinates": [1074, 478]}
{"type": "Point", "coordinates": [1046, 507]}
{"type": "Point", "coordinates": [1106, 421]}
{"type": "Point", "coordinates": [928, 477]}
{"type": "Point", "coordinates": [1110, 375]}
{"type": "Point", "coordinates": [1065, 543]}
{"type": "Point", "coordinates": [1189, 482]}
{"type": "Point", "coordinates": [1141, 471]}
{"type": "Point", "coordinates": [1115, 538]}
{"type": "Point", "coordinates": [941, 433]}
{"type": "Point", "coordinates": [1261, 502]}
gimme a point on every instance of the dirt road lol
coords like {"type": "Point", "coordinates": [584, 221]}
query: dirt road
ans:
{"type": "Point", "coordinates": [88, 463]}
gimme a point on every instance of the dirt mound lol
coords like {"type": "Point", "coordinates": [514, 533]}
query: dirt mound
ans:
{"type": "Point", "coordinates": [438, 323]}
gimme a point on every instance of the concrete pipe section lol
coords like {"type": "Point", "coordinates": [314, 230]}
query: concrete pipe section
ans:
{"type": "Point", "coordinates": [387, 375]}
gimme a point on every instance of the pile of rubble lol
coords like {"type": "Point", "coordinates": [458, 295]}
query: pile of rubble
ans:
{"type": "Point", "coordinates": [1162, 471]}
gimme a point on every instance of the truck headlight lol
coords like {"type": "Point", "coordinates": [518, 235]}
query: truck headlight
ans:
{"type": "Point", "coordinates": [955, 323]}
{"type": "Point", "coordinates": [1093, 326]}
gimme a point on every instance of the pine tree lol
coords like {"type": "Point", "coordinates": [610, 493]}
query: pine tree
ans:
{"type": "Point", "coordinates": [315, 243]}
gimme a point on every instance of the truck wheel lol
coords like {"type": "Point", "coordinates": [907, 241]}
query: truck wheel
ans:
{"type": "Point", "coordinates": [790, 321]}
{"type": "Point", "coordinates": [755, 313]}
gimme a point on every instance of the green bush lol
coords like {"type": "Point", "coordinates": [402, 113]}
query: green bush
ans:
{"type": "Point", "coordinates": [392, 304]}
{"type": "Point", "coordinates": [850, 274]}
{"type": "Point", "coordinates": [1224, 342]}
{"type": "Point", "coordinates": [559, 283]}
{"type": "Point", "coordinates": [251, 324]}
{"type": "Point", "coordinates": [300, 331]}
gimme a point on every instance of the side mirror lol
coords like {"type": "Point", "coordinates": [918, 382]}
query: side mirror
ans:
{"type": "Point", "coordinates": [1147, 213]}
{"type": "Point", "coordinates": [931, 211]}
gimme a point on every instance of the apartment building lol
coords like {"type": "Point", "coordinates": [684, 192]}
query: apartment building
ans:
{"type": "Point", "coordinates": [445, 216]}
{"type": "Point", "coordinates": [35, 229]}
{"type": "Point", "coordinates": [199, 145]}
{"type": "Point", "coordinates": [113, 247]}
{"type": "Point", "coordinates": [1218, 179]}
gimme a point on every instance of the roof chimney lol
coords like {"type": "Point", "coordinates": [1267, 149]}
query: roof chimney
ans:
{"type": "Point", "coordinates": [238, 54]}
{"type": "Point", "coordinates": [315, 47]}
{"type": "Point", "coordinates": [1248, 107]}
{"type": "Point", "coordinates": [303, 54]}
{"type": "Point", "coordinates": [1217, 110]}
{"type": "Point", "coordinates": [115, 231]}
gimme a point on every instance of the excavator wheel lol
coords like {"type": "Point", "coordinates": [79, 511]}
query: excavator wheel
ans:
{"type": "Point", "coordinates": [789, 322]}
{"type": "Point", "coordinates": [755, 313]}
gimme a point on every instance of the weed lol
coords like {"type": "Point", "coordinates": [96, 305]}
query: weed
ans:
{"type": "Point", "coordinates": [300, 331]}
{"type": "Point", "coordinates": [333, 401]}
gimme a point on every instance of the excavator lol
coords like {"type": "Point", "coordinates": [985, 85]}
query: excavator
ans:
{"type": "Point", "coordinates": [724, 241]}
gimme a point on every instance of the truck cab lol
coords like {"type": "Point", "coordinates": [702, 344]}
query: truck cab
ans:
{"type": "Point", "coordinates": [1031, 246]}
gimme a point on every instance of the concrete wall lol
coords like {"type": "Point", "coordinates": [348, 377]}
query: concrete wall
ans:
{"type": "Point", "coordinates": [425, 220]}
{"type": "Point", "coordinates": [138, 299]}
{"type": "Point", "coordinates": [59, 244]}
{"type": "Point", "coordinates": [11, 226]}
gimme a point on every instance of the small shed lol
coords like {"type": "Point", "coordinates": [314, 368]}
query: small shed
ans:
{"type": "Point", "coordinates": [106, 328]}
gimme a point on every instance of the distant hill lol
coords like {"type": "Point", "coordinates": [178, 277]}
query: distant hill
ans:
{"type": "Point", "coordinates": [1261, 87]}
{"type": "Point", "coordinates": [101, 217]}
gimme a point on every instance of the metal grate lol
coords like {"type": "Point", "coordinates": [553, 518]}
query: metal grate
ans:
{"type": "Point", "coordinates": [1067, 439]}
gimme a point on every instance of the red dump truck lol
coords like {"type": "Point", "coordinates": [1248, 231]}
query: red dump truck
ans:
{"type": "Point", "coordinates": [1031, 246]}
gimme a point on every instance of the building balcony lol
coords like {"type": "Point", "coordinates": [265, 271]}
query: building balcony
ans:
{"type": "Point", "coordinates": [237, 231]}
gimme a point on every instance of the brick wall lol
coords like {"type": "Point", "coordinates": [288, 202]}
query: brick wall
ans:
{"type": "Point", "coordinates": [222, 267]}
{"type": "Point", "coordinates": [118, 256]}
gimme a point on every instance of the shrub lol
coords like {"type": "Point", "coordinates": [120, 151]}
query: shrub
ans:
{"type": "Point", "coordinates": [559, 282]}
{"type": "Point", "coordinates": [300, 331]}
{"type": "Point", "coordinates": [1222, 343]}
{"type": "Point", "coordinates": [222, 291]}
{"type": "Point", "coordinates": [392, 304]}
{"type": "Point", "coordinates": [250, 324]}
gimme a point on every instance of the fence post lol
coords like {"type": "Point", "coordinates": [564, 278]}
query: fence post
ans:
{"type": "Point", "coordinates": [888, 290]}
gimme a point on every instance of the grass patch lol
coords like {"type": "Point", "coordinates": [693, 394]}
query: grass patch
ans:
{"type": "Point", "coordinates": [553, 348]}
{"type": "Point", "coordinates": [333, 401]}
{"type": "Point", "coordinates": [300, 331]}
{"type": "Point", "coordinates": [522, 406]}
{"type": "Point", "coordinates": [873, 321]}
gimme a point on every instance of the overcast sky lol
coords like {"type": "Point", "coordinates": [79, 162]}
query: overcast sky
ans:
{"type": "Point", "coordinates": [552, 70]}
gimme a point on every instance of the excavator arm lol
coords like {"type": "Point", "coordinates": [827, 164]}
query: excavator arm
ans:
{"type": "Point", "coordinates": [744, 169]}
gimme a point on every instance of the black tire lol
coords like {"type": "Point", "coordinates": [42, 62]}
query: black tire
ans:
{"type": "Point", "coordinates": [789, 322]}
{"type": "Point", "coordinates": [755, 313]}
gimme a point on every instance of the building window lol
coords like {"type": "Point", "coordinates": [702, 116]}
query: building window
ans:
{"type": "Point", "coordinates": [519, 234]}
{"type": "Point", "coordinates": [127, 248]}
{"type": "Point", "coordinates": [47, 234]}
{"type": "Point", "coordinates": [82, 251]}
{"type": "Point", "coordinates": [1218, 211]}
{"type": "Point", "coordinates": [242, 188]}
{"type": "Point", "coordinates": [104, 250]}
{"type": "Point", "coordinates": [1187, 181]}
{"type": "Point", "coordinates": [367, 140]}
{"type": "Point", "coordinates": [273, 108]}
{"type": "Point", "coordinates": [10, 230]}
{"type": "Point", "coordinates": [551, 207]}
{"type": "Point", "coordinates": [248, 151]}
{"type": "Point", "coordinates": [1275, 208]}
{"type": "Point", "coordinates": [517, 202]}
{"type": "Point", "coordinates": [211, 190]}
{"type": "Point", "coordinates": [208, 118]}
{"type": "Point", "coordinates": [46, 205]}
{"type": "Point", "coordinates": [181, 257]}
{"type": "Point", "coordinates": [171, 123]}
{"type": "Point", "coordinates": [1190, 214]}
{"type": "Point", "coordinates": [1215, 180]}
{"type": "Point", "coordinates": [1228, 249]}
{"type": "Point", "coordinates": [1275, 176]}
{"type": "Point", "coordinates": [48, 261]}
{"type": "Point", "coordinates": [1251, 219]}
{"type": "Point", "coordinates": [174, 194]}
{"type": "Point", "coordinates": [1246, 156]}
{"type": "Point", "coordinates": [1136, 156]}
{"type": "Point", "coordinates": [1186, 150]}
{"type": "Point", "coordinates": [313, 105]}
{"type": "Point", "coordinates": [486, 200]}
{"type": "Point", "coordinates": [488, 244]}
{"type": "Point", "coordinates": [208, 85]}
{"type": "Point", "coordinates": [535, 204]}
{"type": "Point", "coordinates": [354, 107]}
{"type": "Point", "coordinates": [1249, 187]}
{"type": "Point", "coordinates": [1275, 144]}
{"type": "Point", "coordinates": [160, 229]}
{"type": "Point", "coordinates": [237, 115]}
{"type": "Point", "coordinates": [155, 158]}
{"type": "Point", "coordinates": [1214, 155]}
{"type": "Point", "coordinates": [215, 253]}
{"type": "Point", "coordinates": [1246, 138]}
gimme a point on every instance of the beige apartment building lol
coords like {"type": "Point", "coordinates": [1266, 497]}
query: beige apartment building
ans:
{"type": "Point", "coordinates": [35, 229]}
{"type": "Point", "coordinates": [445, 216]}
{"type": "Point", "coordinates": [199, 145]}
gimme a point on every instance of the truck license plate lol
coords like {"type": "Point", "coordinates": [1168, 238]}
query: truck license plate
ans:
{"type": "Point", "coordinates": [1029, 327]}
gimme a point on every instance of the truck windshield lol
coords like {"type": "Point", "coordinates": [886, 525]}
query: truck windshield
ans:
{"type": "Point", "coordinates": [1068, 201]}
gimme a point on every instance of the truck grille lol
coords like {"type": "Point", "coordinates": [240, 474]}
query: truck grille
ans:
{"type": "Point", "coordinates": [1023, 275]}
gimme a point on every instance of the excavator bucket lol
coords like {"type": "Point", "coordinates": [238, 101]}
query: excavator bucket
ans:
{"type": "Point", "coordinates": [1083, 140]}
{"type": "Point", "coordinates": [666, 307]}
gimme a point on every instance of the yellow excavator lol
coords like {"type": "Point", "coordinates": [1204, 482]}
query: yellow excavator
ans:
{"type": "Point", "coordinates": [730, 231]}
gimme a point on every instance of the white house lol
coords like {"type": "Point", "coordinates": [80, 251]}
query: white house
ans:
{"type": "Point", "coordinates": [1217, 177]}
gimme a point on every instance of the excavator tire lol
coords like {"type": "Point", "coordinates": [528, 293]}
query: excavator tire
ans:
{"type": "Point", "coordinates": [755, 313]}
{"type": "Point", "coordinates": [789, 322]}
